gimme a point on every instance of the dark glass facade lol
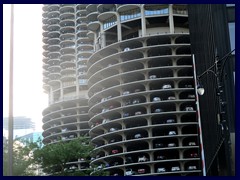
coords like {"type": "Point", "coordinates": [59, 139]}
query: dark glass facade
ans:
{"type": "Point", "coordinates": [209, 35]}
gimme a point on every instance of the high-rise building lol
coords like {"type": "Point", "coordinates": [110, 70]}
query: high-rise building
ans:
{"type": "Point", "coordinates": [21, 126]}
{"type": "Point", "coordinates": [123, 74]}
{"type": "Point", "coordinates": [216, 37]}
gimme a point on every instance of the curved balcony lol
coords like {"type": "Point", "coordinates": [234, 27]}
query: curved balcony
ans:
{"type": "Point", "coordinates": [127, 7]}
{"type": "Point", "coordinates": [91, 8]}
{"type": "Point", "coordinates": [53, 14]}
{"type": "Point", "coordinates": [54, 41]}
{"type": "Point", "coordinates": [53, 21]}
{"type": "Point", "coordinates": [53, 7]}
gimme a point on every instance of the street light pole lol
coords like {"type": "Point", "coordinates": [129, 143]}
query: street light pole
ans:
{"type": "Point", "coordinates": [217, 70]}
{"type": "Point", "coordinates": [10, 117]}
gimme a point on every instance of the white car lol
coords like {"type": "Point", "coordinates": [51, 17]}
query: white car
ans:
{"type": "Point", "coordinates": [136, 136]}
{"type": "Point", "coordinates": [188, 108]}
{"type": "Point", "coordinates": [152, 77]}
{"type": "Point", "coordinates": [159, 170]}
{"type": "Point", "coordinates": [172, 133]}
{"type": "Point", "coordinates": [171, 98]}
{"type": "Point", "coordinates": [105, 121]}
{"type": "Point", "coordinates": [172, 145]}
{"type": "Point", "coordinates": [156, 99]}
{"type": "Point", "coordinates": [175, 168]}
{"type": "Point", "coordinates": [167, 86]}
{"type": "Point", "coordinates": [125, 93]}
{"type": "Point", "coordinates": [142, 159]}
{"type": "Point", "coordinates": [112, 129]}
{"type": "Point", "coordinates": [192, 144]}
{"type": "Point", "coordinates": [191, 168]}
{"type": "Point", "coordinates": [130, 172]}
{"type": "Point", "coordinates": [169, 121]}
{"type": "Point", "coordinates": [126, 49]}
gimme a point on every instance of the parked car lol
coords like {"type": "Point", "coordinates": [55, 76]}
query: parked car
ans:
{"type": "Point", "coordinates": [191, 168]}
{"type": "Point", "coordinates": [175, 168]}
{"type": "Point", "coordinates": [126, 92]}
{"type": "Point", "coordinates": [171, 98]}
{"type": "Point", "coordinates": [64, 130]}
{"type": "Point", "coordinates": [169, 121]}
{"type": "Point", "coordinates": [136, 101]}
{"type": "Point", "coordinates": [128, 102]}
{"type": "Point", "coordinates": [73, 167]}
{"type": "Point", "coordinates": [138, 90]}
{"type": "Point", "coordinates": [111, 107]}
{"type": "Point", "coordinates": [105, 121]}
{"type": "Point", "coordinates": [112, 141]}
{"type": "Point", "coordinates": [130, 172]}
{"type": "Point", "coordinates": [162, 169]}
{"type": "Point", "coordinates": [100, 167]}
{"type": "Point", "coordinates": [112, 129]}
{"type": "Point", "coordinates": [115, 151]}
{"type": "Point", "coordinates": [172, 133]}
{"type": "Point", "coordinates": [188, 86]}
{"type": "Point", "coordinates": [193, 155]}
{"type": "Point", "coordinates": [105, 110]}
{"type": "Point", "coordinates": [142, 159]}
{"type": "Point", "coordinates": [136, 136]}
{"type": "Point", "coordinates": [188, 108]}
{"type": "Point", "coordinates": [126, 49]}
{"type": "Point", "coordinates": [141, 171]}
{"type": "Point", "coordinates": [192, 143]}
{"type": "Point", "coordinates": [126, 114]}
{"type": "Point", "coordinates": [72, 136]}
{"type": "Point", "coordinates": [138, 113]}
{"type": "Point", "coordinates": [156, 99]}
{"type": "Point", "coordinates": [191, 96]}
{"type": "Point", "coordinates": [129, 160]}
{"type": "Point", "coordinates": [159, 145]}
{"type": "Point", "coordinates": [103, 99]}
{"type": "Point", "coordinates": [158, 110]}
{"type": "Point", "coordinates": [115, 163]}
{"type": "Point", "coordinates": [172, 145]}
{"type": "Point", "coordinates": [160, 157]}
{"type": "Point", "coordinates": [152, 77]}
{"type": "Point", "coordinates": [167, 86]}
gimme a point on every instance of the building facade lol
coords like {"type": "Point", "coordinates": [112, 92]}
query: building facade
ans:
{"type": "Point", "coordinates": [216, 38]}
{"type": "Point", "coordinates": [123, 74]}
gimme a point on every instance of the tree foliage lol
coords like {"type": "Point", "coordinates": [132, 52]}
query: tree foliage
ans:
{"type": "Point", "coordinates": [54, 158]}
{"type": "Point", "coordinates": [22, 158]}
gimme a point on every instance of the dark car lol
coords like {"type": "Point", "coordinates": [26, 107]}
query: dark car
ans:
{"type": "Point", "coordinates": [159, 145]}
{"type": "Point", "coordinates": [115, 151]}
{"type": "Point", "coordinates": [169, 121]}
{"type": "Point", "coordinates": [160, 157]}
{"type": "Point", "coordinates": [126, 114]}
{"type": "Point", "coordinates": [141, 171]}
{"type": "Point", "coordinates": [129, 160]}
{"type": "Point", "coordinates": [158, 110]}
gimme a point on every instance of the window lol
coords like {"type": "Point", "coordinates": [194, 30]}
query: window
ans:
{"type": "Point", "coordinates": [155, 10]}
{"type": "Point", "coordinates": [131, 14]}
{"type": "Point", "coordinates": [231, 27]}
{"type": "Point", "coordinates": [109, 22]}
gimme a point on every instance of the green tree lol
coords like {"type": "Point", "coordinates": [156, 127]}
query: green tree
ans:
{"type": "Point", "coordinates": [22, 158]}
{"type": "Point", "coordinates": [54, 158]}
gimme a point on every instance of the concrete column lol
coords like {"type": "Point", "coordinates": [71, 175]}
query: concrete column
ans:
{"type": "Point", "coordinates": [61, 90]}
{"type": "Point", "coordinates": [143, 21]}
{"type": "Point", "coordinates": [103, 39]}
{"type": "Point", "coordinates": [119, 28]}
{"type": "Point", "coordinates": [171, 22]}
